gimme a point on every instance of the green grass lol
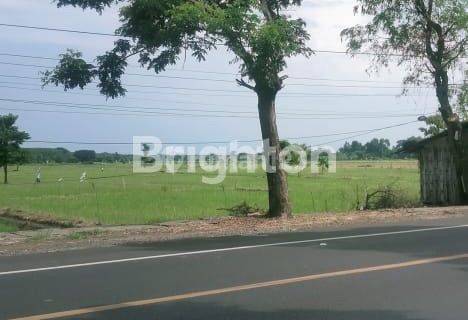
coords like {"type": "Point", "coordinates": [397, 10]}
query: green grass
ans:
{"type": "Point", "coordinates": [158, 197]}
{"type": "Point", "coordinates": [7, 227]}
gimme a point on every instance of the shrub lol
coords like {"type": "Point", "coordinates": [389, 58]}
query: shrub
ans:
{"type": "Point", "coordinates": [387, 197]}
{"type": "Point", "coordinates": [243, 210]}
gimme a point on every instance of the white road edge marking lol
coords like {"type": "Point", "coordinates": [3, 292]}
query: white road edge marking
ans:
{"type": "Point", "coordinates": [169, 255]}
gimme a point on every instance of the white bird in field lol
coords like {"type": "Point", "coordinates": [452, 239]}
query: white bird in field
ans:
{"type": "Point", "coordinates": [83, 177]}
{"type": "Point", "coordinates": [60, 180]}
{"type": "Point", "coordinates": [38, 176]}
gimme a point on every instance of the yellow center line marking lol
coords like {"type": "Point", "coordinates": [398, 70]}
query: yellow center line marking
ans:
{"type": "Point", "coordinates": [139, 303]}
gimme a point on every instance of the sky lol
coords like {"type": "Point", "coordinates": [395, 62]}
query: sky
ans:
{"type": "Point", "coordinates": [297, 104]}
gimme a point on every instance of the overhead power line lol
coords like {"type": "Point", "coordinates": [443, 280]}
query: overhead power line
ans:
{"type": "Point", "coordinates": [133, 108]}
{"type": "Point", "coordinates": [190, 103]}
{"type": "Point", "coordinates": [114, 110]}
{"type": "Point", "coordinates": [232, 81]}
{"type": "Point", "coordinates": [141, 85]}
{"type": "Point", "coordinates": [229, 81]}
{"type": "Point", "coordinates": [236, 92]}
{"type": "Point", "coordinates": [59, 30]}
{"type": "Point", "coordinates": [205, 71]}
{"type": "Point", "coordinates": [120, 36]}
{"type": "Point", "coordinates": [130, 74]}
{"type": "Point", "coordinates": [152, 92]}
{"type": "Point", "coordinates": [83, 93]}
{"type": "Point", "coordinates": [27, 56]}
{"type": "Point", "coordinates": [191, 71]}
{"type": "Point", "coordinates": [183, 102]}
{"type": "Point", "coordinates": [366, 133]}
{"type": "Point", "coordinates": [360, 132]}
{"type": "Point", "coordinates": [312, 95]}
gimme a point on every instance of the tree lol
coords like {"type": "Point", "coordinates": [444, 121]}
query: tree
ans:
{"type": "Point", "coordinates": [258, 32]}
{"type": "Point", "coordinates": [429, 38]}
{"type": "Point", "coordinates": [11, 140]}
{"type": "Point", "coordinates": [85, 156]}
{"type": "Point", "coordinates": [378, 148]}
{"type": "Point", "coordinates": [353, 151]}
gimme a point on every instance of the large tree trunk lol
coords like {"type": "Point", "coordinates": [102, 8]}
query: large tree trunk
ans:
{"type": "Point", "coordinates": [5, 174]}
{"type": "Point", "coordinates": [454, 129]}
{"type": "Point", "coordinates": [437, 54]}
{"type": "Point", "coordinates": [279, 205]}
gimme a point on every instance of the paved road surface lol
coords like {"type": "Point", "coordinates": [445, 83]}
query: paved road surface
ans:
{"type": "Point", "coordinates": [406, 271]}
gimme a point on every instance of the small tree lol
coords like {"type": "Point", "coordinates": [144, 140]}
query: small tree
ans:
{"type": "Point", "coordinates": [10, 141]}
{"type": "Point", "coordinates": [429, 38]}
{"type": "Point", "coordinates": [259, 33]}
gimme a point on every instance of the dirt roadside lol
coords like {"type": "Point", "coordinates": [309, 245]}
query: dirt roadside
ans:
{"type": "Point", "coordinates": [55, 239]}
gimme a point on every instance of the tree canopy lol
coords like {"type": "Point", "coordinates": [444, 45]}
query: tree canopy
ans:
{"type": "Point", "coordinates": [11, 139]}
{"type": "Point", "coordinates": [428, 37]}
{"type": "Point", "coordinates": [374, 149]}
{"type": "Point", "coordinates": [160, 33]}
{"type": "Point", "coordinates": [85, 156]}
{"type": "Point", "coordinates": [422, 35]}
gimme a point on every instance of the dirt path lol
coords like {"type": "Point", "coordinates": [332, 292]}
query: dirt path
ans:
{"type": "Point", "coordinates": [48, 240]}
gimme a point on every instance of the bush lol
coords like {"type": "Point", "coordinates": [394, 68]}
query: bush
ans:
{"type": "Point", "coordinates": [387, 197]}
{"type": "Point", "coordinates": [243, 210]}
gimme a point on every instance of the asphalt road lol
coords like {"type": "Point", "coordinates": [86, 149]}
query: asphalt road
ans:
{"type": "Point", "coordinates": [406, 271]}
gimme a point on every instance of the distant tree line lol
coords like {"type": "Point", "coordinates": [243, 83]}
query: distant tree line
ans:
{"type": "Point", "coordinates": [376, 149]}
{"type": "Point", "coordinates": [62, 155]}
{"type": "Point", "coordinates": [354, 150]}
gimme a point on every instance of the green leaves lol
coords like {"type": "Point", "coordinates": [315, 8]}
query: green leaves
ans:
{"type": "Point", "coordinates": [71, 72]}
{"type": "Point", "coordinates": [111, 67]}
{"type": "Point", "coordinates": [10, 138]}
{"type": "Point", "coordinates": [407, 29]}
{"type": "Point", "coordinates": [271, 44]}
{"type": "Point", "coordinates": [97, 5]}
{"type": "Point", "coordinates": [435, 125]}
{"type": "Point", "coordinates": [429, 38]}
{"type": "Point", "coordinates": [162, 32]}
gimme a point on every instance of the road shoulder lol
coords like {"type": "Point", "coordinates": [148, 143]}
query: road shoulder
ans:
{"type": "Point", "coordinates": [55, 239]}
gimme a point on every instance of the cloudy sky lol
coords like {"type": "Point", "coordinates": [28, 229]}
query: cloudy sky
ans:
{"type": "Point", "coordinates": [351, 105]}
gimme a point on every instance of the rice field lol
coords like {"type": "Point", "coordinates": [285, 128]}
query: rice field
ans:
{"type": "Point", "coordinates": [116, 196]}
